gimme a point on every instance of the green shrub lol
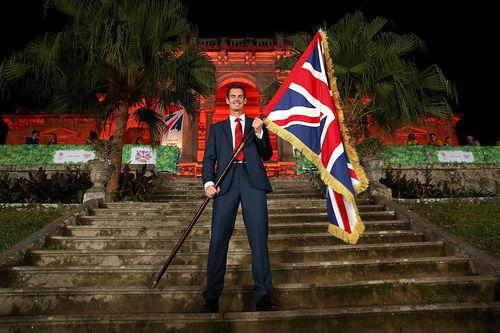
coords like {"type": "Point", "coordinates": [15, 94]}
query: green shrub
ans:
{"type": "Point", "coordinates": [134, 185]}
{"type": "Point", "coordinates": [62, 187]}
{"type": "Point", "coordinates": [370, 147]}
{"type": "Point", "coordinates": [69, 186]}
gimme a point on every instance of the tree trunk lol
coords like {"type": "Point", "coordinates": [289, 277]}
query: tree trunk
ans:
{"type": "Point", "coordinates": [119, 136]}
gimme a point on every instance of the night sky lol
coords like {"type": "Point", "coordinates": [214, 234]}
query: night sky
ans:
{"type": "Point", "coordinates": [458, 35]}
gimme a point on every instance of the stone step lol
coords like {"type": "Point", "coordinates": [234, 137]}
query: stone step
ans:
{"type": "Point", "coordinates": [182, 299]}
{"type": "Point", "coordinates": [132, 205]}
{"type": "Point", "coordinates": [296, 254]}
{"type": "Point", "coordinates": [183, 218]}
{"type": "Point", "coordinates": [161, 197]}
{"type": "Point", "coordinates": [274, 209]}
{"type": "Point", "coordinates": [284, 273]}
{"type": "Point", "coordinates": [275, 182]}
{"type": "Point", "coordinates": [195, 243]}
{"type": "Point", "coordinates": [203, 229]}
{"type": "Point", "coordinates": [440, 317]}
{"type": "Point", "coordinates": [200, 190]}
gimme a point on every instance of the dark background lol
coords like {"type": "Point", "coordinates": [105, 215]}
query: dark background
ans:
{"type": "Point", "coordinates": [459, 37]}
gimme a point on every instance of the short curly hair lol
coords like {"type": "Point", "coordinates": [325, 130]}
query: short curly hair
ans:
{"type": "Point", "coordinates": [236, 86]}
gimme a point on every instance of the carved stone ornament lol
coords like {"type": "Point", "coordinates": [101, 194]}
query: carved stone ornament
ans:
{"type": "Point", "coordinates": [100, 173]}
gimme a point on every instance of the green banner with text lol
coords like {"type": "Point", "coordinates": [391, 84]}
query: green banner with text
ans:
{"type": "Point", "coordinates": [165, 158]}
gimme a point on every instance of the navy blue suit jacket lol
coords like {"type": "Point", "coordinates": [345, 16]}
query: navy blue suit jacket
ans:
{"type": "Point", "coordinates": [31, 141]}
{"type": "Point", "coordinates": [219, 151]}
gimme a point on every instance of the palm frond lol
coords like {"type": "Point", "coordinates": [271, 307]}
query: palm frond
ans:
{"type": "Point", "coordinates": [153, 121]}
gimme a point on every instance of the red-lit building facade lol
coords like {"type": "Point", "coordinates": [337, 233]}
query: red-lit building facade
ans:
{"type": "Point", "coordinates": [248, 61]}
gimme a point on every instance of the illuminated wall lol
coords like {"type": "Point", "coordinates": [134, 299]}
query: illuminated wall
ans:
{"type": "Point", "coordinates": [248, 61]}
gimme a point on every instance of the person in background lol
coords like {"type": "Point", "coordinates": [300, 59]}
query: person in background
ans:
{"type": "Point", "coordinates": [34, 138]}
{"type": "Point", "coordinates": [92, 137]}
{"type": "Point", "coordinates": [433, 141]}
{"type": "Point", "coordinates": [52, 139]}
{"type": "Point", "coordinates": [447, 141]}
{"type": "Point", "coordinates": [411, 140]}
{"type": "Point", "coordinates": [471, 142]}
{"type": "Point", "coordinates": [138, 141]}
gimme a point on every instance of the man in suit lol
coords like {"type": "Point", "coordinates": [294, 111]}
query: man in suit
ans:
{"type": "Point", "coordinates": [246, 182]}
{"type": "Point", "coordinates": [33, 139]}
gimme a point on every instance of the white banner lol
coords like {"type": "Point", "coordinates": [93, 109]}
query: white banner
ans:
{"type": "Point", "coordinates": [73, 156]}
{"type": "Point", "coordinates": [142, 155]}
{"type": "Point", "coordinates": [455, 156]}
{"type": "Point", "coordinates": [172, 138]}
{"type": "Point", "coordinates": [173, 129]}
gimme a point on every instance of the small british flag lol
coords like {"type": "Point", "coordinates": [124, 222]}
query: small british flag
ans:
{"type": "Point", "coordinates": [174, 120]}
{"type": "Point", "coordinates": [306, 111]}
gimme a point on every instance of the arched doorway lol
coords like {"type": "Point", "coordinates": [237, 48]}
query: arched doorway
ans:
{"type": "Point", "coordinates": [220, 111]}
{"type": "Point", "coordinates": [252, 108]}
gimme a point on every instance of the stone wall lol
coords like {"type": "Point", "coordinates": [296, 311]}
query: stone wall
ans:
{"type": "Point", "coordinates": [484, 178]}
{"type": "Point", "coordinates": [477, 177]}
{"type": "Point", "coordinates": [70, 129]}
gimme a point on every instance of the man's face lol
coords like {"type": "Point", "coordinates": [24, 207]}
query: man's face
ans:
{"type": "Point", "coordinates": [236, 100]}
{"type": "Point", "coordinates": [468, 138]}
{"type": "Point", "coordinates": [35, 135]}
{"type": "Point", "coordinates": [432, 136]}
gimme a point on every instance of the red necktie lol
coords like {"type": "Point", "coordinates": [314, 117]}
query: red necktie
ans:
{"type": "Point", "coordinates": [238, 138]}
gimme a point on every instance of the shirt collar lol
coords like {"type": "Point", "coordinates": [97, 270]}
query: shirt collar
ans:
{"type": "Point", "coordinates": [233, 118]}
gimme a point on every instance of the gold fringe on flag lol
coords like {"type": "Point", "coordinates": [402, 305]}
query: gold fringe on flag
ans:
{"type": "Point", "coordinates": [328, 179]}
{"type": "Point", "coordinates": [351, 152]}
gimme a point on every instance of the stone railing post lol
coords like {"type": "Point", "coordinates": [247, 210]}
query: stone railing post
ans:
{"type": "Point", "coordinates": [100, 173]}
{"type": "Point", "coordinates": [375, 169]}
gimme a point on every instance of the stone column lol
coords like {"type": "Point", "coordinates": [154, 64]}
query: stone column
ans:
{"type": "Point", "coordinates": [285, 150]}
{"type": "Point", "coordinates": [208, 104]}
{"type": "Point", "coordinates": [189, 139]}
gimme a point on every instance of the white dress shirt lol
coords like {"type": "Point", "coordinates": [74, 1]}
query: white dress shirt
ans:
{"type": "Point", "coordinates": [232, 122]}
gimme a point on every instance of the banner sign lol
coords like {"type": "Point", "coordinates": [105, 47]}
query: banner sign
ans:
{"type": "Point", "coordinates": [72, 156]}
{"type": "Point", "coordinates": [142, 155]}
{"type": "Point", "coordinates": [455, 156]}
{"type": "Point", "coordinates": [409, 155]}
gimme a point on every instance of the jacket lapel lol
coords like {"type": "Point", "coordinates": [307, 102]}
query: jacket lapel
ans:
{"type": "Point", "coordinates": [248, 126]}
{"type": "Point", "coordinates": [227, 131]}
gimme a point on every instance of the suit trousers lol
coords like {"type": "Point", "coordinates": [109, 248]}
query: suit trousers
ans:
{"type": "Point", "coordinates": [225, 208]}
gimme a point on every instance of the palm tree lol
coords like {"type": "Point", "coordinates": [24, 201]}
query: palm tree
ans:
{"type": "Point", "coordinates": [377, 76]}
{"type": "Point", "coordinates": [113, 55]}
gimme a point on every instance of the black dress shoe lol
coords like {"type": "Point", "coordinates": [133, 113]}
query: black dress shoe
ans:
{"type": "Point", "coordinates": [265, 304]}
{"type": "Point", "coordinates": [210, 306]}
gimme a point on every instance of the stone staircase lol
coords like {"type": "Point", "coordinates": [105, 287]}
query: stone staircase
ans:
{"type": "Point", "coordinates": [97, 276]}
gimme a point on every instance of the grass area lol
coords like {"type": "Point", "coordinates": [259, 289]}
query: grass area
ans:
{"type": "Point", "coordinates": [477, 223]}
{"type": "Point", "coordinates": [18, 223]}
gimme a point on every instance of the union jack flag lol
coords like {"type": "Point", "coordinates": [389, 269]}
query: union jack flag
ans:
{"type": "Point", "coordinates": [174, 120]}
{"type": "Point", "coordinates": [306, 112]}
